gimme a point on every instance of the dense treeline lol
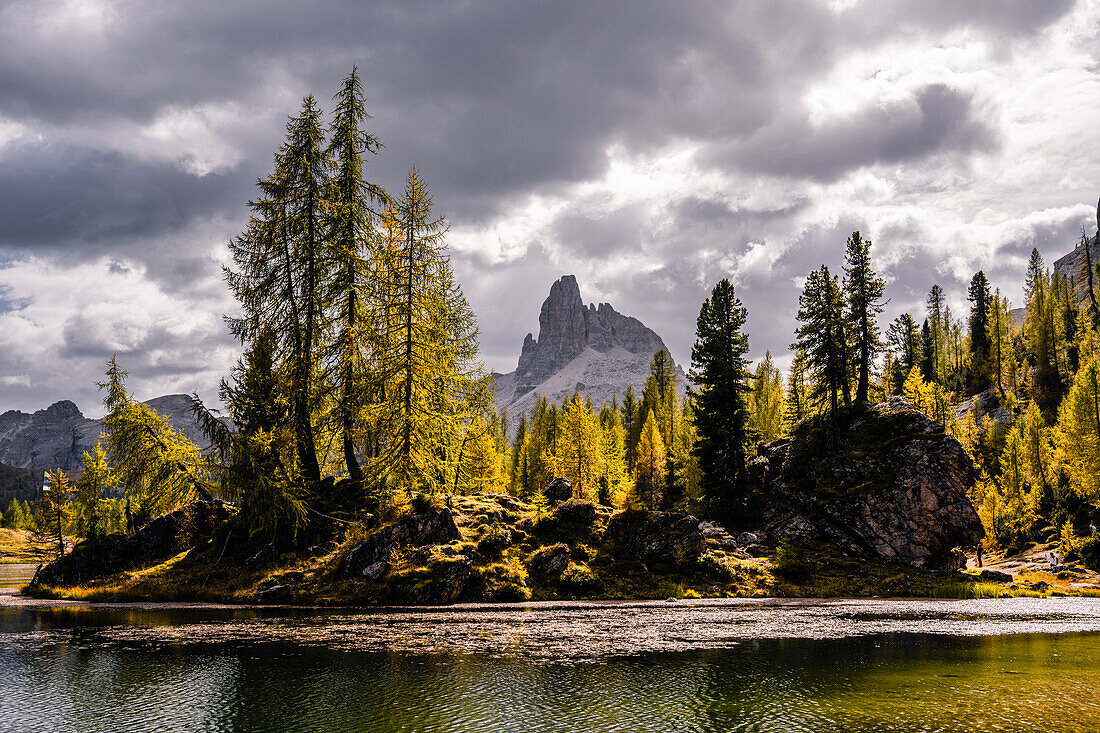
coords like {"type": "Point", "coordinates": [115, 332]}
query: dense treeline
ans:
{"type": "Point", "coordinates": [360, 387]}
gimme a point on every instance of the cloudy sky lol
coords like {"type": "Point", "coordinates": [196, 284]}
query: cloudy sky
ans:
{"type": "Point", "coordinates": [650, 148]}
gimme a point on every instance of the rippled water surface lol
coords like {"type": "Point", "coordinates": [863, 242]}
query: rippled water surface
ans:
{"type": "Point", "coordinates": [1010, 664]}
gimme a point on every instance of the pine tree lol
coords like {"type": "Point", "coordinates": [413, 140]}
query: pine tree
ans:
{"type": "Point", "coordinates": [928, 352]}
{"type": "Point", "coordinates": [261, 472]}
{"type": "Point", "coordinates": [864, 290]}
{"type": "Point", "coordinates": [350, 240]}
{"type": "Point", "coordinates": [720, 400]}
{"type": "Point", "coordinates": [434, 383]}
{"type": "Point", "coordinates": [797, 405]}
{"type": "Point", "coordinates": [980, 306]}
{"type": "Point", "coordinates": [905, 340]}
{"type": "Point", "coordinates": [1086, 274]}
{"type": "Point", "coordinates": [935, 335]}
{"type": "Point", "coordinates": [823, 339]}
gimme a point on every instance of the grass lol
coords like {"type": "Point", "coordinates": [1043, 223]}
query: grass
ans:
{"type": "Point", "coordinates": [21, 546]}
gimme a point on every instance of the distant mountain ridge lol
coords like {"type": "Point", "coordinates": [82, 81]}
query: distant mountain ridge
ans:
{"type": "Point", "coordinates": [57, 436]}
{"type": "Point", "coordinates": [591, 349]}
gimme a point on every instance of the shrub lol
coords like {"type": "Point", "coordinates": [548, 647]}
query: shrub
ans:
{"type": "Point", "coordinates": [1089, 550]}
{"type": "Point", "coordinates": [791, 563]}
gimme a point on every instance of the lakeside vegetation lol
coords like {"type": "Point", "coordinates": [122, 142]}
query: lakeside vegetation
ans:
{"type": "Point", "coordinates": [360, 394]}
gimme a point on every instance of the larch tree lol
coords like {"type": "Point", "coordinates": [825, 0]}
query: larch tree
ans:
{"type": "Point", "coordinates": [766, 400]}
{"type": "Point", "coordinates": [649, 466]}
{"type": "Point", "coordinates": [719, 371]}
{"type": "Point", "coordinates": [864, 290]}
{"type": "Point", "coordinates": [434, 384]}
{"type": "Point", "coordinates": [281, 270]}
{"type": "Point", "coordinates": [154, 463]}
{"type": "Point", "coordinates": [999, 325]}
{"type": "Point", "coordinates": [1078, 430]}
{"type": "Point", "coordinates": [353, 205]}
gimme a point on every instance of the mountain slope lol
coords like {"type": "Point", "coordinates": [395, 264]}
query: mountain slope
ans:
{"type": "Point", "coordinates": [57, 436]}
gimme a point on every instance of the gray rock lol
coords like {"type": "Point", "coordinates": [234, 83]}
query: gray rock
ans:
{"type": "Point", "coordinates": [549, 562]}
{"type": "Point", "coordinates": [432, 527]}
{"type": "Point", "coordinates": [654, 537]}
{"type": "Point", "coordinates": [376, 571]}
{"type": "Point", "coordinates": [558, 490]}
{"type": "Point", "coordinates": [746, 539]}
{"type": "Point", "coordinates": [893, 486]}
{"type": "Point", "coordinates": [442, 581]}
{"type": "Point", "coordinates": [595, 350]}
{"type": "Point", "coordinates": [995, 576]}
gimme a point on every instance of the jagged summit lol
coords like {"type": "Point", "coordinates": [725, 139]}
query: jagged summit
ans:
{"type": "Point", "coordinates": [592, 349]}
{"type": "Point", "coordinates": [567, 327]}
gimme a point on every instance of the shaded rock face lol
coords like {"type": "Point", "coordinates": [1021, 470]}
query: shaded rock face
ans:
{"type": "Point", "coordinates": [432, 527]}
{"type": "Point", "coordinates": [158, 540]}
{"type": "Point", "coordinates": [893, 487]}
{"type": "Point", "coordinates": [558, 490]}
{"type": "Point", "coordinates": [58, 436]}
{"type": "Point", "coordinates": [592, 349]}
{"type": "Point", "coordinates": [655, 537]}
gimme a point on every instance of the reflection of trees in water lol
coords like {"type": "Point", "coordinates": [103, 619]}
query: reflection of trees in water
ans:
{"type": "Point", "coordinates": [69, 678]}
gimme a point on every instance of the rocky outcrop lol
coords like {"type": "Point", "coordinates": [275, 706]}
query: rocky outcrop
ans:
{"type": "Point", "coordinates": [1072, 266]}
{"type": "Point", "coordinates": [57, 436]}
{"type": "Point", "coordinates": [431, 527]}
{"type": "Point", "coordinates": [654, 537]}
{"type": "Point", "coordinates": [592, 349]}
{"type": "Point", "coordinates": [892, 486]}
{"type": "Point", "coordinates": [160, 539]}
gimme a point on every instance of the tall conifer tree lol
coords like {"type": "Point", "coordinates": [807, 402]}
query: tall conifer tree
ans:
{"type": "Point", "coordinates": [720, 399]}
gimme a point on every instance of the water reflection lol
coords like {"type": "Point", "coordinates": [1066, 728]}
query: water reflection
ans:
{"type": "Point", "coordinates": [68, 669]}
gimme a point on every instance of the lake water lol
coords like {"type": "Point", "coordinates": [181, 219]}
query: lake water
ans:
{"type": "Point", "coordinates": [870, 665]}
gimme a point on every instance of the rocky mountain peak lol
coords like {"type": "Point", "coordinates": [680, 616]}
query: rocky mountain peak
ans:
{"type": "Point", "coordinates": [567, 327]}
{"type": "Point", "coordinates": [593, 349]}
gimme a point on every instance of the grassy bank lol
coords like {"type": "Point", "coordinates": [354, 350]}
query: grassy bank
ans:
{"type": "Point", "coordinates": [504, 543]}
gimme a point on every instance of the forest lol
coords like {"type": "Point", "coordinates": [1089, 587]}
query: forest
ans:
{"type": "Point", "coordinates": [360, 387]}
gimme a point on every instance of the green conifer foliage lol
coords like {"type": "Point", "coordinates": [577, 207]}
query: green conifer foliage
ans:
{"type": "Point", "coordinates": [352, 209]}
{"type": "Point", "coordinates": [720, 399]}
{"type": "Point", "coordinates": [864, 290]}
{"type": "Point", "coordinates": [823, 338]}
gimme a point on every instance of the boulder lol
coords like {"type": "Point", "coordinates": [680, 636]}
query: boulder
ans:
{"type": "Point", "coordinates": [549, 562]}
{"type": "Point", "coordinates": [995, 576]}
{"type": "Point", "coordinates": [443, 580]}
{"type": "Point", "coordinates": [435, 526]}
{"type": "Point", "coordinates": [654, 537]}
{"type": "Point", "coordinates": [158, 540]}
{"type": "Point", "coordinates": [888, 484]}
{"type": "Point", "coordinates": [558, 490]}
